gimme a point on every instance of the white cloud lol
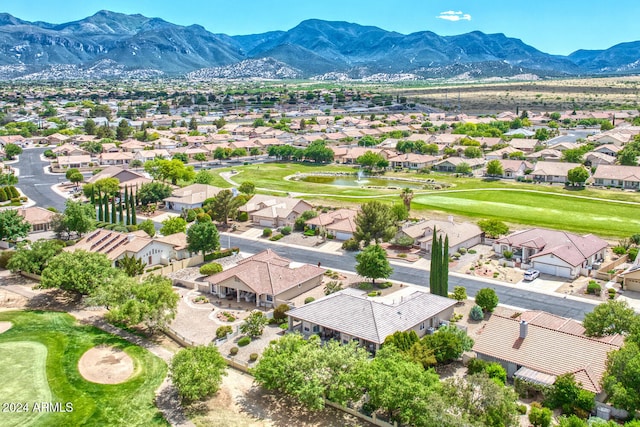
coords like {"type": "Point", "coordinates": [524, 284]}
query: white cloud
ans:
{"type": "Point", "coordinates": [451, 15]}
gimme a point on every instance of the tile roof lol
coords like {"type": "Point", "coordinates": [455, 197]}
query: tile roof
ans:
{"type": "Point", "coordinates": [352, 312]}
{"type": "Point", "coordinates": [545, 349]}
{"type": "Point", "coordinates": [269, 273]}
{"type": "Point", "coordinates": [624, 173]}
{"type": "Point", "coordinates": [569, 247]}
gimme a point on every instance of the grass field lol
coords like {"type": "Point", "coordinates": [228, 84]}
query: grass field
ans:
{"type": "Point", "coordinates": [605, 218]}
{"type": "Point", "coordinates": [599, 211]}
{"type": "Point", "coordinates": [39, 362]}
{"type": "Point", "coordinates": [24, 380]}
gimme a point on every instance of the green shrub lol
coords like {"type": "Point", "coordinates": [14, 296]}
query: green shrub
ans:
{"type": "Point", "coordinates": [280, 313]}
{"type": "Point", "coordinates": [234, 350]}
{"type": "Point", "coordinates": [507, 254]}
{"type": "Point", "coordinates": [223, 331]}
{"type": "Point", "coordinates": [191, 215]}
{"type": "Point", "coordinates": [593, 288]}
{"type": "Point", "coordinates": [267, 232]}
{"type": "Point", "coordinates": [221, 254]}
{"type": "Point", "coordinates": [243, 216]}
{"type": "Point", "coordinates": [5, 256]}
{"type": "Point", "coordinates": [633, 253]}
{"type": "Point", "coordinates": [286, 230]}
{"type": "Point", "coordinates": [476, 313]}
{"type": "Point", "coordinates": [402, 255]}
{"type": "Point", "coordinates": [472, 251]}
{"type": "Point", "coordinates": [310, 233]}
{"type": "Point", "coordinates": [462, 250]}
{"type": "Point", "coordinates": [211, 268]}
{"type": "Point", "coordinates": [619, 250]}
{"type": "Point", "coordinates": [384, 285]}
{"type": "Point", "coordinates": [253, 357]}
{"type": "Point", "coordinates": [612, 293]}
{"type": "Point", "coordinates": [476, 366]}
{"type": "Point", "coordinates": [307, 300]}
{"type": "Point", "coordinates": [351, 245]}
{"type": "Point", "coordinates": [522, 409]}
{"type": "Point", "coordinates": [244, 341]}
{"type": "Point", "coordinates": [284, 326]}
{"type": "Point", "coordinates": [276, 237]}
{"type": "Point", "coordinates": [365, 286]}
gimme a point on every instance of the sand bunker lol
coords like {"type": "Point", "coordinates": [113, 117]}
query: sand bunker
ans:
{"type": "Point", "coordinates": [105, 365]}
{"type": "Point", "coordinates": [5, 326]}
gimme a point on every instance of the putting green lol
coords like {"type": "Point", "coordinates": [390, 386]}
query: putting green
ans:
{"type": "Point", "coordinates": [24, 382]}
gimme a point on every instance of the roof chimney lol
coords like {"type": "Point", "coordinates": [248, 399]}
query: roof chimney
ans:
{"type": "Point", "coordinates": [524, 329]}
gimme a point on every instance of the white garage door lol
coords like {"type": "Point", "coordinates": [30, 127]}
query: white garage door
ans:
{"type": "Point", "coordinates": [266, 223]}
{"type": "Point", "coordinates": [553, 270]}
{"type": "Point", "coordinates": [343, 236]}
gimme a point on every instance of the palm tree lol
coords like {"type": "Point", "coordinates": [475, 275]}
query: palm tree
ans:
{"type": "Point", "coordinates": [407, 195]}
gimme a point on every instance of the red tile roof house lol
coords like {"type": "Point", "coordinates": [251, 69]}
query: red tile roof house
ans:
{"type": "Point", "coordinates": [340, 223]}
{"type": "Point", "coordinates": [412, 161]}
{"type": "Point", "coordinates": [190, 197]}
{"type": "Point", "coordinates": [627, 177]}
{"type": "Point", "coordinates": [351, 315]}
{"type": "Point", "coordinates": [39, 218]}
{"type": "Point", "coordinates": [553, 252]}
{"type": "Point", "coordinates": [272, 211]}
{"type": "Point", "coordinates": [537, 347]}
{"type": "Point", "coordinates": [266, 278]}
{"type": "Point", "coordinates": [552, 171]}
{"type": "Point", "coordinates": [461, 235]}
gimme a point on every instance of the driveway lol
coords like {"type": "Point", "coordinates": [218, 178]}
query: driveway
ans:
{"type": "Point", "coordinates": [35, 183]}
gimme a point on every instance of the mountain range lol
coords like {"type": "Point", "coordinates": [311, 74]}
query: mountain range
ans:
{"type": "Point", "coordinates": [110, 44]}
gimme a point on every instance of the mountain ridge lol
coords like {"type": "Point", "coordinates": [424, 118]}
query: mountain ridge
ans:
{"type": "Point", "coordinates": [314, 47]}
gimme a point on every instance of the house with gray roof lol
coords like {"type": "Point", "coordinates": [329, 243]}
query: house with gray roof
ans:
{"type": "Point", "coordinates": [351, 315]}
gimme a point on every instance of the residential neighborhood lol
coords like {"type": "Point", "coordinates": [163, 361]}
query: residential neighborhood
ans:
{"type": "Point", "coordinates": [237, 229]}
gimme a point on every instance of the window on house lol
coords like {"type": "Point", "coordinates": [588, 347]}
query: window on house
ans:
{"type": "Point", "coordinates": [269, 297]}
{"type": "Point", "coordinates": [422, 326]}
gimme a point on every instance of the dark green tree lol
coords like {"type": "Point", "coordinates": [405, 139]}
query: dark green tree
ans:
{"type": "Point", "coordinates": [439, 274]}
{"type": "Point", "coordinates": [203, 237]}
{"type": "Point", "coordinates": [197, 372]}
{"type": "Point", "coordinates": [373, 264]}
{"type": "Point", "coordinates": [376, 222]}
{"type": "Point", "coordinates": [113, 211]}
{"type": "Point", "coordinates": [12, 225]}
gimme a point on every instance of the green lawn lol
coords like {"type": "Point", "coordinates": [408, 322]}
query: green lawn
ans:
{"type": "Point", "coordinates": [606, 218]}
{"type": "Point", "coordinates": [24, 379]}
{"type": "Point", "coordinates": [547, 206]}
{"type": "Point", "coordinates": [39, 358]}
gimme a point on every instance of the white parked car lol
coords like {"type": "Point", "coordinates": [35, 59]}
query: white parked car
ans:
{"type": "Point", "coordinates": [530, 275]}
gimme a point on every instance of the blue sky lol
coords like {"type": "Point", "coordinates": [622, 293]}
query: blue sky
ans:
{"type": "Point", "coordinates": [557, 27]}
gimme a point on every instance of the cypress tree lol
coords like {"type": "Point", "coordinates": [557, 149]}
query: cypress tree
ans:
{"type": "Point", "coordinates": [120, 216]}
{"type": "Point", "coordinates": [113, 210]}
{"type": "Point", "coordinates": [126, 196]}
{"type": "Point", "coordinates": [93, 197]}
{"type": "Point", "coordinates": [445, 267]}
{"type": "Point", "coordinates": [433, 276]}
{"type": "Point", "coordinates": [134, 219]}
{"type": "Point", "coordinates": [100, 211]}
{"type": "Point", "coordinates": [127, 215]}
{"type": "Point", "coordinates": [106, 208]}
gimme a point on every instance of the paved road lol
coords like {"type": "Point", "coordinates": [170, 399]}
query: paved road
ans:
{"type": "Point", "coordinates": [565, 307]}
{"type": "Point", "coordinates": [572, 135]}
{"type": "Point", "coordinates": [35, 183]}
